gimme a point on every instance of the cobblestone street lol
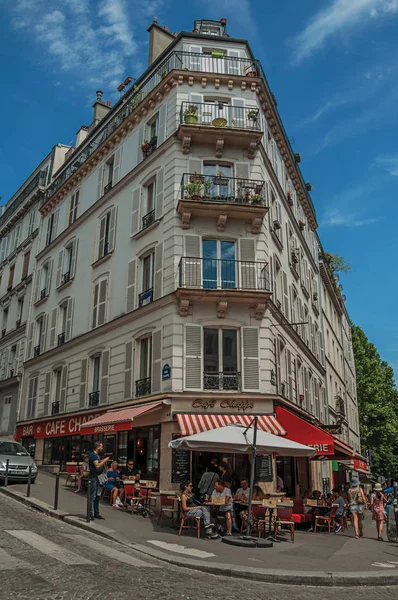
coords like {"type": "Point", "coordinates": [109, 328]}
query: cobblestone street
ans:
{"type": "Point", "coordinates": [44, 559]}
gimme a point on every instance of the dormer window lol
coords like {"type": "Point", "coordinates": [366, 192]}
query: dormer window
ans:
{"type": "Point", "coordinates": [210, 27]}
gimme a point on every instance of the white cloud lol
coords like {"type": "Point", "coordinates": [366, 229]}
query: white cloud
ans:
{"type": "Point", "coordinates": [338, 17]}
{"type": "Point", "coordinates": [388, 163]}
{"type": "Point", "coordinates": [340, 218]}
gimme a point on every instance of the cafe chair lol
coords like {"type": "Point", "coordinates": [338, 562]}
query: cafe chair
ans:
{"type": "Point", "coordinates": [323, 521]}
{"type": "Point", "coordinates": [72, 474]}
{"type": "Point", "coordinates": [167, 508]}
{"type": "Point", "coordinates": [258, 518]}
{"type": "Point", "coordinates": [106, 495]}
{"type": "Point", "coordinates": [284, 520]}
{"type": "Point", "coordinates": [187, 519]}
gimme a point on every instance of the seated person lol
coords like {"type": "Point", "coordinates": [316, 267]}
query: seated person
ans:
{"type": "Point", "coordinates": [190, 508]}
{"type": "Point", "coordinates": [112, 485]}
{"type": "Point", "coordinates": [84, 472]}
{"type": "Point", "coordinates": [338, 499]}
{"type": "Point", "coordinates": [130, 471]}
{"type": "Point", "coordinates": [316, 495]}
{"type": "Point", "coordinates": [226, 478]}
{"type": "Point", "coordinates": [225, 510]}
{"type": "Point", "coordinates": [241, 500]}
{"type": "Point", "coordinates": [258, 495]}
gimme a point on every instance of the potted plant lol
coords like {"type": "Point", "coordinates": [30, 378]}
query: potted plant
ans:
{"type": "Point", "coordinates": [256, 199]}
{"type": "Point", "coordinates": [289, 198]}
{"type": "Point", "coordinates": [196, 177]}
{"type": "Point", "coordinates": [193, 190]}
{"type": "Point", "coordinates": [252, 115]}
{"type": "Point", "coordinates": [217, 54]}
{"type": "Point", "coordinates": [297, 157]}
{"type": "Point", "coordinates": [220, 179]}
{"type": "Point", "coordinates": [250, 71]}
{"type": "Point", "coordinates": [308, 186]}
{"type": "Point", "coordinates": [190, 115]}
{"type": "Point", "coordinates": [301, 224]}
{"type": "Point", "coordinates": [146, 146]}
{"type": "Point", "coordinates": [206, 187]}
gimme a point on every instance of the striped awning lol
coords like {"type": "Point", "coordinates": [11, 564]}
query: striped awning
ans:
{"type": "Point", "coordinates": [190, 424]}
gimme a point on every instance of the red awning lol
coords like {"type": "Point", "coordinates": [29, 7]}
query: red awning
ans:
{"type": "Point", "coordinates": [116, 420]}
{"type": "Point", "coordinates": [303, 432]}
{"type": "Point", "coordinates": [190, 424]}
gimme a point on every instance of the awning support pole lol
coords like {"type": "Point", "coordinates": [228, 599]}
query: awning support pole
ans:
{"type": "Point", "coordinates": [252, 475]}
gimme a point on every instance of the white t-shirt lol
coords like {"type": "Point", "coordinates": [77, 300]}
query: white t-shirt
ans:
{"type": "Point", "coordinates": [225, 493]}
{"type": "Point", "coordinates": [242, 492]}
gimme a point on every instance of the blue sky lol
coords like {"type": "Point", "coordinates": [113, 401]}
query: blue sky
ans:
{"type": "Point", "coordinates": [332, 65]}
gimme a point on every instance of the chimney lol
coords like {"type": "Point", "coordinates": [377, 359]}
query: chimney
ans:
{"type": "Point", "coordinates": [159, 39]}
{"type": "Point", "coordinates": [81, 135]}
{"type": "Point", "coordinates": [100, 109]}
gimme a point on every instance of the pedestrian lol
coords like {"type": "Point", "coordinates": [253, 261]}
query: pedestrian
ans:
{"type": "Point", "coordinates": [357, 501]}
{"type": "Point", "coordinates": [377, 503]}
{"type": "Point", "coordinates": [98, 479]}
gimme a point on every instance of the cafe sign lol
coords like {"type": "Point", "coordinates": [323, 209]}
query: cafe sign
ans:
{"type": "Point", "coordinates": [230, 404]}
{"type": "Point", "coordinates": [55, 427]}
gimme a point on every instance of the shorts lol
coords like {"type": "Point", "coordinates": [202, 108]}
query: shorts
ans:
{"type": "Point", "coordinates": [358, 508]}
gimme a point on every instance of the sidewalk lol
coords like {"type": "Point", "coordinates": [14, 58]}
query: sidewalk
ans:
{"type": "Point", "coordinates": [313, 559]}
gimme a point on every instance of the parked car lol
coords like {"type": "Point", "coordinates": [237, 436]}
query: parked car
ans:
{"type": "Point", "coordinates": [19, 462]}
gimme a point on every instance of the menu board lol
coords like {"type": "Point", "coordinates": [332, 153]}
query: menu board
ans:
{"type": "Point", "coordinates": [264, 468]}
{"type": "Point", "coordinates": [180, 465]}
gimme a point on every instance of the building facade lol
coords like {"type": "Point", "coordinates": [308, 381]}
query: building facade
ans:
{"type": "Point", "coordinates": [177, 271]}
{"type": "Point", "coordinates": [19, 229]}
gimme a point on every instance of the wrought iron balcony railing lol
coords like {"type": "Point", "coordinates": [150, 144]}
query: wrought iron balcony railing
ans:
{"type": "Point", "coordinates": [220, 188]}
{"type": "Point", "coordinates": [61, 338]}
{"type": "Point", "coordinates": [43, 293]}
{"type": "Point", "coordinates": [145, 298]}
{"type": "Point", "coordinates": [36, 350]}
{"type": "Point", "coordinates": [3, 332]}
{"type": "Point", "coordinates": [150, 146]}
{"type": "Point", "coordinates": [18, 323]}
{"type": "Point", "coordinates": [221, 381]}
{"type": "Point", "coordinates": [93, 399]}
{"type": "Point", "coordinates": [107, 187]}
{"type": "Point", "coordinates": [143, 387]}
{"type": "Point", "coordinates": [223, 274]}
{"type": "Point", "coordinates": [65, 278]}
{"type": "Point", "coordinates": [148, 219]}
{"type": "Point", "coordinates": [219, 114]}
{"type": "Point", "coordinates": [55, 408]}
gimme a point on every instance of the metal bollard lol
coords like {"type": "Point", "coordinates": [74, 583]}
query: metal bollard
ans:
{"type": "Point", "coordinates": [88, 500]}
{"type": "Point", "coordinates": [6, 475]}
{"type": "Point", "coordinates": [29, 482]}
{"type": "Point", "coordinates": [56, 493]}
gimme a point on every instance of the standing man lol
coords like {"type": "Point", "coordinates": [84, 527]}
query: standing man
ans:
{"type": "Point", "coordinates": [96, 466]}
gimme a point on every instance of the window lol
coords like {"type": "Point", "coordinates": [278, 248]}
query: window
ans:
{"type": "Point", "coordinates": [40, 336]}
{"type": "Point", "coordinates": [5, 320]}
{"type": "Point", "coordinates": [148, 266]}
{"type": "Point", "coordinates": [52, 227]}
{"type": "Point", "coordinates": [12, 363]}
{"type": "Point", "coordinates": [10, 278]}
{"type": "Point", "coordinates": [276, 217]}
{"type": "Point", "coordinates": [219, 264]}
{"type": "Point", "coordinates": [63, 316]}
{"type": "Point", "coordinates": [143, 385]}
{"type": "Point", "coordinates": [96, 366]}
{"type": "Point", "coordinates": [25, 267]}
{"type": "Point", "coordinates": [220, 178]}
{"type": "Point", "coordinates": [220, 359]}
{"type": "Point", "coordinates": [152, 129]}
{"type": "Point", "coordinates": [3, 248]}
{"type": "Point", "coordinates": [17, 235]}
{"type": "Point", "coordinates": [73, 206]}
{"type": "Point", "coordinates": [31, 225]}
{"type": "Point", "coordinates": [100, 297]}
{"type": "Point", "coordinates": [32, 394]}
{"type": "Point", "coordinates": [5, 414]}
{"type": "Point", "coordinates": [45, 280]}
{"type": "Point", "coordinates": [57, 384]}
{"type": "Point", "coordinates": [20, 311]}
{"type": "Point", "coordinates": [150, 192]}
{"type": "Point", "coordinates": [106, 233]}
{"type": "Point", "coordinates": [109, 174]}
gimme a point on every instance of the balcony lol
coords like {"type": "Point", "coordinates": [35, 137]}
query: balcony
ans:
{"type": "Point", "coordinates": [221, 381]}
{"type": "Point", "coordinates": [17, 323]}
{"type": "Point", "coordinates": [219, 124]}
{"type": "Point", "coordinates": [43, 294]}
{"type": "Point", "coordinates": [55, 408]}
{"type": "Point", "coordinates": [145, 298]}
{"type": "Point", "coordinates": [222, 282]}
{"type": "Point", "coordinates": [93, 399]}
{"type": "Point", "coordinates": [65, 278]}
{"type": "Point", "coordinates": [107, 188]}
{"type": "Point", "coordinates": [222, 198]}
{"type": "Point", "coordinates": [36, 350]}
{"type": "Point", "coordinates": [61, 338]}
{"type": "Point", "coordinates": [148, 219]}
{"type": "Point", "coordinates": [143, 387]}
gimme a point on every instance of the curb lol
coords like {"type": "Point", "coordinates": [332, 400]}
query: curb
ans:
{"type": "Point", "coordinates": [314, 578]}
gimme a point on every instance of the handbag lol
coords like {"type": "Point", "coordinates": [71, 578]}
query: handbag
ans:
{"type": "Point", "coordinates": [102, 479]}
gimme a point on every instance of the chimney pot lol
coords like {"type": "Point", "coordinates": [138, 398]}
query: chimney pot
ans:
{"type": "Point", "coordinates": [175, 34]}
{"type": "Point", "coordinates": [165, 27]}
{"type": "Point", "coordinates": [155, 20]}
{"type": "Point", "coordinates": [99, 95]}
{"type": "Point", "coordinates": [108, 102]}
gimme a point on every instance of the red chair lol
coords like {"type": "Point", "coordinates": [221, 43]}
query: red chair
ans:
{"type": "Point", "coordinates": [258, 515]}
{"type": "Point", "coordinates": [329, 522]}
{"type": "Point", "coordinates": [167, 508]}
{"type": "Point", "coordinates": [284, 519]}
{"type": "Point", "coordinates": [129, 491]}
{"type": "Point", "coordinates": [72, 474]}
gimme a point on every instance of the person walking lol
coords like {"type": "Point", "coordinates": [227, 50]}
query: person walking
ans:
{"type": "Point", "coordinates": [97, 471]}
{"type": "Point", "coordinates": [357, 501]}
{"type": "Point", "coordinates": [377, 503]}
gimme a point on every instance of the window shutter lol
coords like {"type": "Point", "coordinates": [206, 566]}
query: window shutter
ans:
{"type": "Point", "coordinates": [104, 377]}
{"type": "Point", "coordinates": [322, 347]}
{"type": "Point", "coordinates": [32, 394]}
{"type": "Point", "coordinates": [102, 301]}
{"type": "Point", "coordinates": [242, 170]}
{"type": "Point", "coordinates": [191, 275]}
{"type": "Point", "coordinates": [127, 371]}
{"type": "Point", "coordinates": [101, 241]}
{"type": "Point", "coordinates": [131, 280]}
{"type": "Point", "coordinates": [3, 365]}
{"type": "Point", "coordinates": [53, 327]}
{"type": "Point", "coordinates": [55, 224]}
{"type": "Point", "coordinates": [195, 58]}
{"type": "Point", "coordinates": [69, 319]}
{"type": "Point", "coordinates": [59, 268]}
{"type": "Point", "coordinates": [267, 277]}
{"type": "Point", "coordinates": [162, 123]}
{"type": "Point", "coordinates": [140, 142]}
{"type": "Point", "coordinates": [47, 388]}
{"type": "Point", "coordinates": [156, 384]}
{"type": "Point", "coordinates": [158, 280]}
{"type": "Point", "coordinates": [285, 296]}
{"type": "Point", "coordinates": [50, 271]}
{"type": "Point", "coordinates": [117, 163]}
{"type": "Point", "coordinates": [95, 305]}
{"type": "Point", "coordinates": [36, 295]}
{"type": "Point", "coordinates": [100, 181]}
{"type": "Point", "coordinates": [193, 379]}
{"type": "Point", "coordinates": [74, 258]}
{"type": "Point", "coordinates": [238, 113]}
{"type": "Point", "coordinates": [135, 213]}
{"type": "Point", "coordinates": [43, 339]}
{"type": "Point", "coordinates": [247, 254]}
{"type": "Point", "coordinates": [83, 383]}
{"type": "Point", "coordinates": [159, 194]}
{"type": "Point", "coordinates": [64, 388]}
{"type": "Point", "coordinates": [112, 229]}
{"type": "Point", "coordinates": [234, 67]}
{"type": "Point", "coordinates": [250, 359]}
{"type": "Point", "coordinates": [195, 166]}
{"type": "Point", "coordinates": [30, 341]}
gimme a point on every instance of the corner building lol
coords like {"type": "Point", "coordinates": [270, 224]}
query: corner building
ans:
{"type": "Point", "coordinates": [179, 259]}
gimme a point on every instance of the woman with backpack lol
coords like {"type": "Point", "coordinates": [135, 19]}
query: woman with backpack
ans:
{"type": "Point", "coordinates": [357, 501]}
